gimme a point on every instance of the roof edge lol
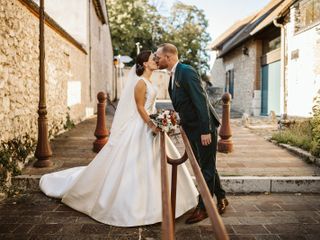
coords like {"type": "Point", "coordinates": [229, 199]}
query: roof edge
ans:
{"type": "Point", "coordinates": [99, 11]}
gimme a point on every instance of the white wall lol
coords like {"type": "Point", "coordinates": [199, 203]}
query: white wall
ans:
{"type": "Point", "coordinates": [71, 15]}
{"type": "Point", "coordinates": [303, 73]}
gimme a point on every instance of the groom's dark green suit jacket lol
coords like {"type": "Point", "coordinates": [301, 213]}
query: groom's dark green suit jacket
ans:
{"type": "Point", "coordinates": [191, 102]}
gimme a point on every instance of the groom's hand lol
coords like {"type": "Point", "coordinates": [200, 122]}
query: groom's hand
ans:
{"type": "Point", "coordinates": [206, 139]}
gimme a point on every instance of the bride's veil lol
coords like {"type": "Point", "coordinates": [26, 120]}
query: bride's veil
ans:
{"type": "Point", "coordinates": [126, 109]}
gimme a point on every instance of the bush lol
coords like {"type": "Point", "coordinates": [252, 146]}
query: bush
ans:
{"type": "Point", "coordinates": [69, 123]}
{"type": "Point", "coordinates": [298, 134]}
{"type": "Point", "coordinates": [303, 134]}
{"type": "Point", "coordinates": [315, 126]}
{"type": "Point", "coordinates": [13, 154]}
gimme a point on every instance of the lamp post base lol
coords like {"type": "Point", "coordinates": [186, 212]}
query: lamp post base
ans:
{"type": "Point", "coordinates": [43, 163]}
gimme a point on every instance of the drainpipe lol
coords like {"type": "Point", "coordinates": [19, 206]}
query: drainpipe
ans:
{"type": "Point", "coordinates": [282, 56]}
{"type": "Point", "coordinates": [90, 54]}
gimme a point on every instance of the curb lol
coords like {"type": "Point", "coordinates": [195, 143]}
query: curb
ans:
{"type": "Point", "coordinates": [241, 184]}
{"type": "Point", "coordinates": [253, 184]}
{"type": "Point", "coordinates": [306, 156]}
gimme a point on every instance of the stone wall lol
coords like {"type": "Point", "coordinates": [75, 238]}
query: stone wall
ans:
{"type": "Point", "coordinates": [65, 64]}
{"type": "Point", "coordinates": [245, 77]}
{"type": "Point", "coordinates": [218, 74]}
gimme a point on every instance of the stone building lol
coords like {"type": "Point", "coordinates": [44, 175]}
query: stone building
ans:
{"type": "Point", "coordinates": [267, 64]}
{"type": "Point", "coordinates": [78, 63]}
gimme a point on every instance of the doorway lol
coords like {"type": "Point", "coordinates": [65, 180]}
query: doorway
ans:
{"type": "Point", "coordinates": [270, 89]}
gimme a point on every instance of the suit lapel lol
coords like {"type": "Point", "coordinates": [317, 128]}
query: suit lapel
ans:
{"type": "Point", "coordinates": [176, 79]}
{"type": "Point", "coordinates": [214, 113]}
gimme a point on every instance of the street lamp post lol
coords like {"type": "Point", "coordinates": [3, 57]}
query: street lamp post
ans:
{"type": "Point", "coordinates": [43, 150]}
{"type": "Point", "coordinates": [138, 47]}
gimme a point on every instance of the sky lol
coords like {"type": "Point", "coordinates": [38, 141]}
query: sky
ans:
{"type": "Point", "coordinates": [221, 14]}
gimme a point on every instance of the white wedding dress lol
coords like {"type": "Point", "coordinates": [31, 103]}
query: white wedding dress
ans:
{"type": "Point", "coordinates": [122, 184]}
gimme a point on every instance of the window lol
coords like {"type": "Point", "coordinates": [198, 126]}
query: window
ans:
{"type": "Point", "coordinates": [274, 44]}
{"type": "Point", "coordinates": [229, 86]}
{"type": "Point", "coordinates": [307, 14]}
{"type": "Point", "coordinates": [271, 39]}
{"type": "Point", "coordinates": [269, 45]}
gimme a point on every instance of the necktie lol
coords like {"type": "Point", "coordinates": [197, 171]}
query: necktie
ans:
{"type": "Point", "coordinates": [170, 81]}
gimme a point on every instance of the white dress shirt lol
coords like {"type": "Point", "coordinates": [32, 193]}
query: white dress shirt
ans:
{"type": "Point", "coordinates": [172, 72]}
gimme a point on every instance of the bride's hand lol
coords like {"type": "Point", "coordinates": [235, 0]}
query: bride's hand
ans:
{"type": "Point", "coordinates": [155, 129]}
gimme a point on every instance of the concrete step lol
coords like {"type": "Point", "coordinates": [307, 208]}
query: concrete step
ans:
{"type": "Point", "coordinates": [239, 184]}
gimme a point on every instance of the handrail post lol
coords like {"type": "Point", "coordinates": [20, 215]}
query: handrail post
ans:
{"type": "Point", "coordinates": [216, 221]}
{"type": "Point", "coordinates": [168, 210]}
{"type": "Point", "coordinates": [174, 192]}
{"type": "Point", "coordinates": [167, 221]}
{"type": "Point", "coordinates": [174, 178]}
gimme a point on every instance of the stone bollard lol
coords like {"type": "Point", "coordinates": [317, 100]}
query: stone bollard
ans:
{"type": "Point", "coordinates": [225, 143]}
{"type": "Point", "coordinates": [101, 131]}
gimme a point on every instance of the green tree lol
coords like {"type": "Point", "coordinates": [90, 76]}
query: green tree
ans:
{"type": "Point", "coordinates": [186, 27]}
{"type": "Point", "coordinates": [133, 21]}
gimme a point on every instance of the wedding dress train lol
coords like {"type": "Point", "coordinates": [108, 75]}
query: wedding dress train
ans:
{"type": "Point", "coordinates": [122, 184]}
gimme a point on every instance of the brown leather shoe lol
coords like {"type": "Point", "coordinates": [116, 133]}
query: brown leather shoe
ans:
{"type": "Point", "coordinates": [197, 216]}
{"type": "Point", "coordinates": [222, 205]}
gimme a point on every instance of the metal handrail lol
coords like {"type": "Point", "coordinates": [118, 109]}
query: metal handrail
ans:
{"type": "Point", "coordinates": [168, 211]}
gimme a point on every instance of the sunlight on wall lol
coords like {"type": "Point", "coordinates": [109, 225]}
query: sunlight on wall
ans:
{"type": "Point", "coordinates": [74, 93]}
{"type": "Point", "coordinates": [71, 15]}
{"type": "Point", "coordinates": [89, 111]}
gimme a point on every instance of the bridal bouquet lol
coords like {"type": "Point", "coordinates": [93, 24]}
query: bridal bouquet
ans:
{"type": "Point", "coordinates": [166, 120]}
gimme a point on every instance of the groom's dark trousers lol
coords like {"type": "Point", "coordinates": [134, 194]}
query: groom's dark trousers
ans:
{"type": "Point", "coordinates": [206, 156]}
{"type": "Point", "coordinates": [197, 117]}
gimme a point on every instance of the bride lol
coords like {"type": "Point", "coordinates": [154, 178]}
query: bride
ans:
{"type": "Point", "coordinates": [122, 184]}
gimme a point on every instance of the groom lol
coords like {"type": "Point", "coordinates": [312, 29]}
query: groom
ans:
{"type": "Point", "coordinates": [199, 120]}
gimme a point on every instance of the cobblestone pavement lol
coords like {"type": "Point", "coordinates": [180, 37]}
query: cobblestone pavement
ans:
{"type": "Point", "coordinates": [274, 216]}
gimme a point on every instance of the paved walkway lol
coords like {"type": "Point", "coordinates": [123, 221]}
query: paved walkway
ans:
{"type": "Point", "coordinates": [252, 155]}
{"type": "Point", "coordinates": [275, 216]}
{"type": "Point", "coordinates": [261, 216]}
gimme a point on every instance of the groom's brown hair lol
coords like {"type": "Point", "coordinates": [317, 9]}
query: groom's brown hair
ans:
{"type": "Point", "coordinates": [169, 48]}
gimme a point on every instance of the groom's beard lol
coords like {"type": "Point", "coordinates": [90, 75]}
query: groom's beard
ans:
{"type": "Point", "coordinates": [162, 66]}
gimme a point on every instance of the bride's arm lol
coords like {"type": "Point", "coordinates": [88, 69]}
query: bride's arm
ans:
{"type": "Point", "coordinates": [140, 97]}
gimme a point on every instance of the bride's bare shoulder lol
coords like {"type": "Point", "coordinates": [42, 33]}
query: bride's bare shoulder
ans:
{"type": "Point", "coordinates": [141, 85]}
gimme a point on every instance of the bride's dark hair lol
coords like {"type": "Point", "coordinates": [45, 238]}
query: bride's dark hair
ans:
{"type": "Point", "coordinates": [142, 57]}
